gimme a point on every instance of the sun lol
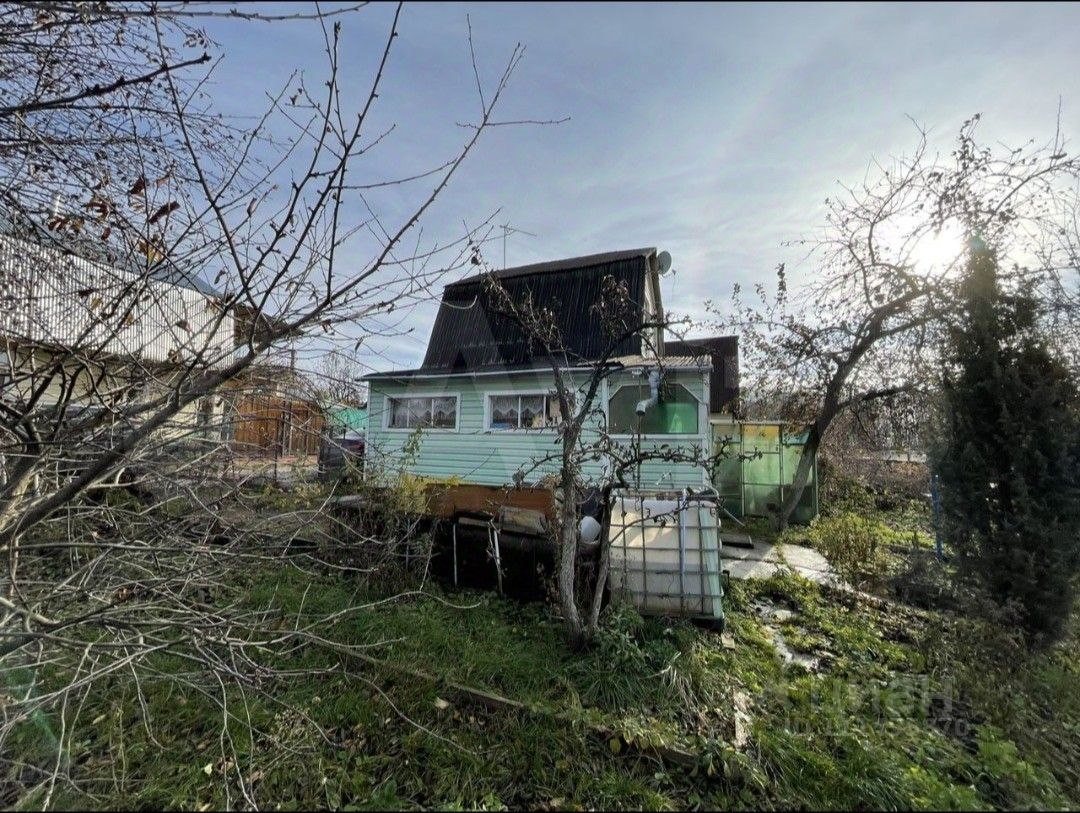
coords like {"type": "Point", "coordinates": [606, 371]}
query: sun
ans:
{"type": "Point", "coordinates": [941, 251]}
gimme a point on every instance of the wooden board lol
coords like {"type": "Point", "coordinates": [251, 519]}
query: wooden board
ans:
{"type": "Point", "coordinates": [446, 501]}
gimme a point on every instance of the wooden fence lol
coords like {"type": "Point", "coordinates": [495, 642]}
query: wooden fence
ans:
{"type": "Point", "coordinates": [276, 427]}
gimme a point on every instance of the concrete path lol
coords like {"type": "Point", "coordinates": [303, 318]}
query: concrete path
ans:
{"type": "Point", "coordinates": [763, 560]}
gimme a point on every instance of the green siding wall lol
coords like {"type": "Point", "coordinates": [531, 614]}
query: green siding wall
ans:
{"type": "Point", "coordinates": [476, 455]}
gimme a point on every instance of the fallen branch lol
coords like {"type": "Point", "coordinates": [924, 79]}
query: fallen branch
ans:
{"type": "Point", "coordinates": [495, 702]}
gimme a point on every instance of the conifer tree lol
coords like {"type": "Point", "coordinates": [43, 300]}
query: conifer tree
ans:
{"type": "Point", "coordinates": [1008, 453]}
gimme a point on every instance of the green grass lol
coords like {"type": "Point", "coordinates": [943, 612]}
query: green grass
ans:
{"type": "Point", "coordinates": [910, 709]}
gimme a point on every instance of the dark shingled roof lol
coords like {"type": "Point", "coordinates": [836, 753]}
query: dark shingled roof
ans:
{"type": "Point", "coordinates": [421, 372]}
{"type": "Point", "coordinates": [469, 334]}
{"type": "Point", "coordinates": [724, 378]}
{"type": "Point", "coordinates": [571, 264]}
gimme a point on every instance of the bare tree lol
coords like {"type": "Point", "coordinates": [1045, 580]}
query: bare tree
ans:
{"type": "Point", "coordinates": [337, 378]}
{"type": "Point", "coordinates": [867, 325]}
{"type": "Point", "coordinates": [152, 251]}
{"type": "Point", "coordinates": [584, 435]}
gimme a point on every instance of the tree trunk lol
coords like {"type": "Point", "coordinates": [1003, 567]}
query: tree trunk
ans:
{"type": "Point", "coordinates": [603, 565]}
{"type": "Point", "coordinates": [802, 476]}
{"type": "Point", "coordinates": [568, 535]}
{"type": "Point", "coordinates": [568, 565]}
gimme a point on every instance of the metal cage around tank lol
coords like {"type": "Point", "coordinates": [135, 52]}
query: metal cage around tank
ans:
{"type": "Point", "coordinates": [665, 553]}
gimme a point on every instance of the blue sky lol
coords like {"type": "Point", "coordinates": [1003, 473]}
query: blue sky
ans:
{"type": "Point", "coordinates": [712, 131]}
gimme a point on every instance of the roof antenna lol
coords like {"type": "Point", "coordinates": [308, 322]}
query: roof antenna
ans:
{"type": "Point", "coordinates": [508, 229]}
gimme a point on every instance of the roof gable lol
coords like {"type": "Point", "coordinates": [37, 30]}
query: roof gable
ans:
{"type": "Point", "coordinates": [471, 334]}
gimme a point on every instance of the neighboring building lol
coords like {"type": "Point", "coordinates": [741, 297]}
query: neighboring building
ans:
{"type": "Point", "coordinates": [343, 419]}
{"type": "Point", "coordinates": [117, 329]}
{"type": "Point", "coordinates": [58, 293]}
{"type": "Point", "coordinates": [271, 411]}
{"type": "Point", "coordinates": [485, 403]}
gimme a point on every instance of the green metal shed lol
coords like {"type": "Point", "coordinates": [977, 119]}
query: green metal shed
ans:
{"type": "Point", "coordinates": [348, 418]}
{"type": "Point", "coordinates": [760, 465]}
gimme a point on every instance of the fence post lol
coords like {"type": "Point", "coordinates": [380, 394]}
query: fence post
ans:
{"type": "Point", "coordinates": [935, 503]}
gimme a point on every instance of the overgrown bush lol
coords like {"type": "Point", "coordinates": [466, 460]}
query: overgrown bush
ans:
{"type": "Point", "coordinates": [852, 544]}
{"type": "Point", "coordinates": [925, 582]}
{"type": "Point", "coordinates": [385, 531]}
{"type": "Point", "coordinates": [636, 661]}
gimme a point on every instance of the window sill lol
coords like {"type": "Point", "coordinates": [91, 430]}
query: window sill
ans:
{"type": "Point", "coordinates": [494, 431]}
{"type": "Point", "coordinates": [694, 436]}
{"type": "Point", "coordinates": [442, 430]}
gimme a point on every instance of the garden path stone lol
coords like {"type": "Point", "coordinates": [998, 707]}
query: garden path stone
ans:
{"type": "Point", "coordinates": [765, 559]}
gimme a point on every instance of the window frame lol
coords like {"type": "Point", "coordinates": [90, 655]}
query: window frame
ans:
{"type": "Point", "coordinates": [703, 422]}
{"type": "Point", "coordinates": [388, 411]}
{"type": "Point", "coordinates": [489, 394]}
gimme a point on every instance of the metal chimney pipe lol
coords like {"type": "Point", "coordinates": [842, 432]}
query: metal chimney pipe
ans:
{"type": "Point", "coordinates": [654, 393]}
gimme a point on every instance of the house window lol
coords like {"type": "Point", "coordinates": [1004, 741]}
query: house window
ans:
{"type": "Point", "coordinates": [523, 411]}
{"type": "Point", "coordinates": [675, 414]}
{"type": "Point", "coordinates": [435, 412]}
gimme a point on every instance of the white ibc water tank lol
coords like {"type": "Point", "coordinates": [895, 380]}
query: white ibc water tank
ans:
{"type": "Point", "coordinates": [665, 554]}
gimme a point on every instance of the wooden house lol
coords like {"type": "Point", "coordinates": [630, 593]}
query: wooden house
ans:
{"type": "Point", "coordinates": [482, 406]}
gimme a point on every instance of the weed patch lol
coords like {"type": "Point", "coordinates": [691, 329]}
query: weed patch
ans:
{"type": "Point", "coordinates": [908, 710]}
